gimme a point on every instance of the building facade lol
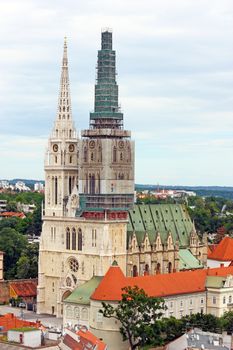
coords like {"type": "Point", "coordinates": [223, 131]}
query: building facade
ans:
{"type": "Point", "coordinates": [89, 186]}
{"type": "Point", "coordinates": [89, 219]}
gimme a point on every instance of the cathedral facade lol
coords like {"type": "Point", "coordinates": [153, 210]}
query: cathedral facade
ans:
{"type": "Point", "coordinates": [89, 217]}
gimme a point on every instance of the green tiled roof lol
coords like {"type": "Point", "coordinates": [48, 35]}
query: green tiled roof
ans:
{"type": "Point", "coordinates": [82, 294]}
{"type": "Point", "coordinates": [215, 281]}
{"type": "Point", "coordinates": [187, 261]}
{"type": "Point", "coordinates": [162, 218]}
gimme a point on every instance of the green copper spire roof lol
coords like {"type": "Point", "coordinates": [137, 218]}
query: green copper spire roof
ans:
{"type": "Point", "coordinates": [107, 112]}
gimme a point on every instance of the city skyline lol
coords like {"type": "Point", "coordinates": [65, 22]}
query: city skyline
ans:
{"type": "Point", "coordinates": [175, 83]}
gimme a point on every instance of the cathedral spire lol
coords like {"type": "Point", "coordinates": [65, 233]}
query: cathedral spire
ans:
{"type": "Point", "coordinates": [64, 100]}
{"type": "Point", "coordinates": [107, 112]}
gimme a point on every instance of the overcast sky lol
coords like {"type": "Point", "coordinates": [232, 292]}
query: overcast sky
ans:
{"type": "Point", "coordinates": [175, 77]}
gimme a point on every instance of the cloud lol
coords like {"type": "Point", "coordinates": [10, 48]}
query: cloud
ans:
{"type": "Point", "coordinates": [174, 60]}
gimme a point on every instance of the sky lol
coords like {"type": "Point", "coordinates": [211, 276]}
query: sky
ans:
{"type": "Point", "coordinates": [175, 77]}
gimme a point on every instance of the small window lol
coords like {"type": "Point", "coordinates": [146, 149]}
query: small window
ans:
{"type": "Point", "coordinates": [214, 300]}
{"type": "Point", "coordinates": [224, 300]}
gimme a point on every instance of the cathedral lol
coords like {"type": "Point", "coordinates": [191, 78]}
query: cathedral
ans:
{"type": "Point", "coordinates": [89, 215]}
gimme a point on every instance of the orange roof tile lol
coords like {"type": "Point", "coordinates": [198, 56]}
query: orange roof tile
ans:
{"type": "Point", "coordinates": [223, 251]}
{"type": "Point", "coordinates": [110, 288]}
{"type": "Point", "coordinates": [12, 213]}
{"type": "Point", "coordinates": [25, 288]}
{"type": "Point", "coordinates": [9, 321]}
{"type": "Point", "coordinates": [111, 285]}
{"type": "Point", "coordinates": [90, 337]}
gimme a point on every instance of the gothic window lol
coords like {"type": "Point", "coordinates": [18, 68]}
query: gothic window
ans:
{"type": "Point", "coordinates": [121, 156]}
{"type": "Point", "coordinates": [85, 154]}
{"type": "Point", "coordinates": [67, 238]}
{"type": "Point", "coordinates": [224, 300]}
{"type": "Point", "coordinates": [114, 157]}
{"type": "Point", "coordinates": [74, 239]}
{"type": "Point", "coordinates": [70, 159]}
{"type": "Point", "coordinates": [230, 299]}
{"type": "Point", "coordinates": [73, 264]}
{"type": "Point", "coordinates": [55, 190]}
{"type": "Point", "coordinates": [92, 183]}
{"type": "Point", "coordinates": [70, 133]}
{"type": "Point", "coordinates": [55, 159]}
{"type": "Point", "coordinates": [70, 184]}
{"type": "Point", "coordinates": [146, 271]}
{"type": "Point", "coordinates": [67, 109]}
{"type": "Point", "coordinates": [68, 282]}
{"type": "Point", "coordinates": [158, 268]}
{"type": "Point", "coordinates": [169, 267]}
{"type": "Point", "coordinates": [80, 239]}
{"type": "Point", "coordinates": [92, 156]}
{"type": "Point", "coordinates": [135, 271]}
{"type": "Point", "coordinates": [68, 116]}
{"type": "Point", "coordinates": [56, 132]}
{"type": "Point", "coordinates": [64, 109]}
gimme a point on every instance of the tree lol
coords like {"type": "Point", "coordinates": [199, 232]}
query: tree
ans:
{"type": "Point", "coordinates": [12, 243]}
{"type": "Point", "coordinates": [138, 315]}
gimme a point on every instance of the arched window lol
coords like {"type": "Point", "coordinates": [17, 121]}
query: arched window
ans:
{"type": "Point", "coordinates": [146, 271]}
{"type": "Point", "coordinates": [121, 156]}
{"type": "Point", "coordinates": [80, 239]}
{"type": "Point", "coordinates": [135, 271]}
{"type": "Point", "coordinates": [70, 133]}
{"type": "Point", "coordinates": [224, 300]}
{"type": "Point", "coordinates": [230, 299]}
{"type": "Point", "coordinates": [70, 159]}
{"type": "Point", "coordinates": [70, 184]}
{"type": "Point", "coordinates": [114, 155]}
{"type": "Point", "coordinates": [55, 190]}
{"type": "Point", "coordinates": [67, 238]}
{"type": "Point", "coordinates": [85, 154]}
{"type": "Point", "coordinates": [92, 156]}
{"type": "Point", "coordinates": [169, 267]}
{"type": "Point", "coordinates": [158, 268]}
{"type": "Point", "coordinates": [74, 239]}
{"type": "Point", "coordinates": [92, 183]}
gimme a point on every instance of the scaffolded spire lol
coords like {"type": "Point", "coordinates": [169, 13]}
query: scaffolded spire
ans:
{"type": "Point", "coordinates": [64, 100]}
{"type": "Point", "coordinates": [107, 112]}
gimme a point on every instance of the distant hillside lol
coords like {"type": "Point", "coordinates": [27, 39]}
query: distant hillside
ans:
{"type": "Point", "coordinates": [204, 191]}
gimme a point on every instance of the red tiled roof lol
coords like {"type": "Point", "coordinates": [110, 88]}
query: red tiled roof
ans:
{"type": "Point", "coordinates": [91, 338]}
{"type": "Point", "coordinates": [223, 251]}
{"type": "Point", "coordinates": [87, 340]}
{"type": "Point", "coordinates": [71, 343]}
{"type": "Point", "coordinates": [110, 288]}
{"type": "Point", "coordinates": [111, 285]}
{"type": "Point", "coordinates": [12, 213]}
{"type": "Point", "coordinates": [25, 288]}
{"type": "Point", "coordinates": [9, 321]}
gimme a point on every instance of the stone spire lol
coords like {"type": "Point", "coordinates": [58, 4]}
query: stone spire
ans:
{"type": "Point", "coordinates": [107, 111]}
{"type": "Point", "coordinates": [64, 127]}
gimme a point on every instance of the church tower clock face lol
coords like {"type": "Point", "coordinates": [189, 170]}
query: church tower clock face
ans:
{"type": "Point", "coordinates": [55, 148]}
